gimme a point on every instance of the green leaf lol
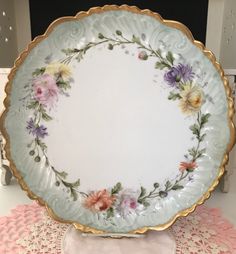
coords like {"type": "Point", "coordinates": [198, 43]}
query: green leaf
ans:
{"type": "Point", "coordinates": [70, 51]}
{"type": "Point", "coordinates": [202, 137]}
{"type": "Point", "coordinates": [161, 65]}
{"type": "Point", "coordinates": [200, 153]}
{"type": "Point", "coordinates": [167, 184]}
{"type": "Point", "coordinates": [68, 185]}
{"type": "Point", "coordinates": [118, 32]}
{"type": "Point", "coordinates": [63, 84]}
{"type": "Point", "coordinates": [62, 174]}
{"type": "Point", "coordinates": [136, 39]}
{"type": "Point", "coordinates": [202, 150]}
{"type": "Point", "coordinates": [74, 194]}
{"type": "Point", "coordinates": [192, 152]}
{"type": "Point", "coordinates": [116, 189]}
{"type": "Point", "coordinates": [45, 116]}
{"type": "Point", "coordinates": [174, 96]}
{"type": "Point", "coordinates": [110, 213]}
{"type": "Point", "coordinates": [204, 118]}
{"type": "Point", "coordinates": [110, 46]}
{"type": "Point", "coordinates": [76, 183]}
{"type": "Point", "coordinates": [146, 203]}
{"type": "Point", "coordinates": [177, 187]}
{"type": "Point", "coordinates": [158, 52]}
{"type": "Point", "coordinates": [195, 129]}
{"type": "Point", "coordinates": [41, 144]}
{"type": "Point", "coordinates": [33, 104]}
{"type": "Point", "coordinates": [79, 57]}
{"type": "Point", "coordinates": [100, 36]}
{"type": "Point", "coordinates": [170, 57]}
{"type": "Point", "coordinates": [190, 170]}
{"type": "Point", "coordinates": [186, 156]}
{"type": "Point", "coordinates": [143, 191]}
{"type": "Point", "coordinates": [38, 71]}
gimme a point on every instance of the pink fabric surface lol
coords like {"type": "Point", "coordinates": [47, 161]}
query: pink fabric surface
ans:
{"type": "Point", "coordinates": [16, 226]}
{"type": "Point", "coordinates": [29, 230]}
{"type": "Point", "coordinates": [152, 243]}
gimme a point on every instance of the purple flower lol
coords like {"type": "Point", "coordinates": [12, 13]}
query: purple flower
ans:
{"type": "Point", "coordinates": [36, 130]}
{"type": "Point", "coordinates": [180, 73]}
{"type": "Point", "coordinates": [172, 77]}
{"type": "Point", "coordinates": [41, 131]}
{"type": "Point", "coordinates": [190, 178]}
{"type": "Point", "coordinates": [186, 72]}
{"type": "Point", "coordinates": [31, 127]}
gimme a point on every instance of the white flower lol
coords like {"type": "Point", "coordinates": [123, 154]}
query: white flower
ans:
{"type": "Point", "coordinates": [191, 99]}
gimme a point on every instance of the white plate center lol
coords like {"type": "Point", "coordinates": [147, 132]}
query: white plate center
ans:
{"type": "Point", "coordinates": [117, 125]}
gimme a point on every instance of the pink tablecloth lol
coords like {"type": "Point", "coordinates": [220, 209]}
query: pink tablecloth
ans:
{"type": "Point", "coordinates": [30, 231]}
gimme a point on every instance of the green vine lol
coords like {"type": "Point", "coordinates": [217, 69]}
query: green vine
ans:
{"type": "Point", "coordinates": [193, 154]}
{"type": "Point", "coordinates": [181, 85]}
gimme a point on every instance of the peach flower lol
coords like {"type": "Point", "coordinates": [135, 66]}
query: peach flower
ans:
{"type": "Point", "coordinates": [99, 201]}
{"type": "Point", "coordinates": [190, 166]}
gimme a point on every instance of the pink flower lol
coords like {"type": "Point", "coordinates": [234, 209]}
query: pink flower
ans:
{"type": "Point", "coordinates": [99, 201]}
{"type": "Point", "coordinates": [45, 90]}
{"type": "Point", "coordinates": [189, 166]}
{"type": "Point", "coordinates": [128, 202]}
{"type": "Point", "coordinates": [143, 55]}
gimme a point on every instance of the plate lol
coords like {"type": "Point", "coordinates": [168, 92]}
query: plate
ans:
{"type": "Point", "coordinates": [117, 120]}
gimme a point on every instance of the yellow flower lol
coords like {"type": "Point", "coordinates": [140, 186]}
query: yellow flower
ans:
{"type": "Point", "coordinates": [191, 99]}
{"type": "Point", "coordinates": [59, 69]}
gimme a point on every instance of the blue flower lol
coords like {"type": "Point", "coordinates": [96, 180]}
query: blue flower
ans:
{"type": "Point", "coordinates": [36, 130]}
{"type": "Point", "coordinates": [177, 74]}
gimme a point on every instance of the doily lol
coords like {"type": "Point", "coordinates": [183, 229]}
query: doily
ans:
{"type": "Point", "coordinates": [45, 237]}
{"type": "Point", "coordinates": [204, 231]}
{"type": "Point", "coordinates": [29, 230]}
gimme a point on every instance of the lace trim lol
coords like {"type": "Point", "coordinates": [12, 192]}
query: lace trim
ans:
{"type": "Point", "coordinates": [204, 231]}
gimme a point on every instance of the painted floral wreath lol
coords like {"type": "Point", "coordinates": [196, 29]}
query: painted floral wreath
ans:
{"type": "Point", "coordinates": [54, 80]}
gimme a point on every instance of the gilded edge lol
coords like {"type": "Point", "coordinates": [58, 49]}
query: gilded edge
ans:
{"type": "Point", "coordinates": [170, 23]}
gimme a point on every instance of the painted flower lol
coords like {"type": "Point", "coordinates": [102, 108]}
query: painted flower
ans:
{"type": "Point", "coordinates": [189, 166]}
{"type": "Point", "coordinates": [45, 90]}
{"type": "Point", "coordinates": [128, 202]}
{"type": "Point", "coordinates": [182, 73]}
{"type": "Point", "coordinates": [36, 130]}
{"type": "Point", "coordinates": [59, 70]}
{"type": "Point", "coordinates": [99, 201]}
{"type": "Point", "coordinates": [191, 99]}
{"type": "Point", "coordinates": [143, 55]}
{"type": "Point", "coordinates": [186, 72]}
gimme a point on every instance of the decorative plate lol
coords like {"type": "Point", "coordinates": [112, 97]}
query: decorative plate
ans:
{"type": "Point", "coordinates": [118, 121]}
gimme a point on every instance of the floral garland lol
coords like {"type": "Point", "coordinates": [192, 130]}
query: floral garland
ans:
{"type": "Point", "coordinates": [55, 79]}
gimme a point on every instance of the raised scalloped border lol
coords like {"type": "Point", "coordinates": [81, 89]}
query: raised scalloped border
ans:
{"type": "Point", "coordinates": [170, 23]}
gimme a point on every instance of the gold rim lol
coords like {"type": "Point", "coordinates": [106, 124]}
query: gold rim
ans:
{"type": "Point", "coordinates": [170, 23]}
